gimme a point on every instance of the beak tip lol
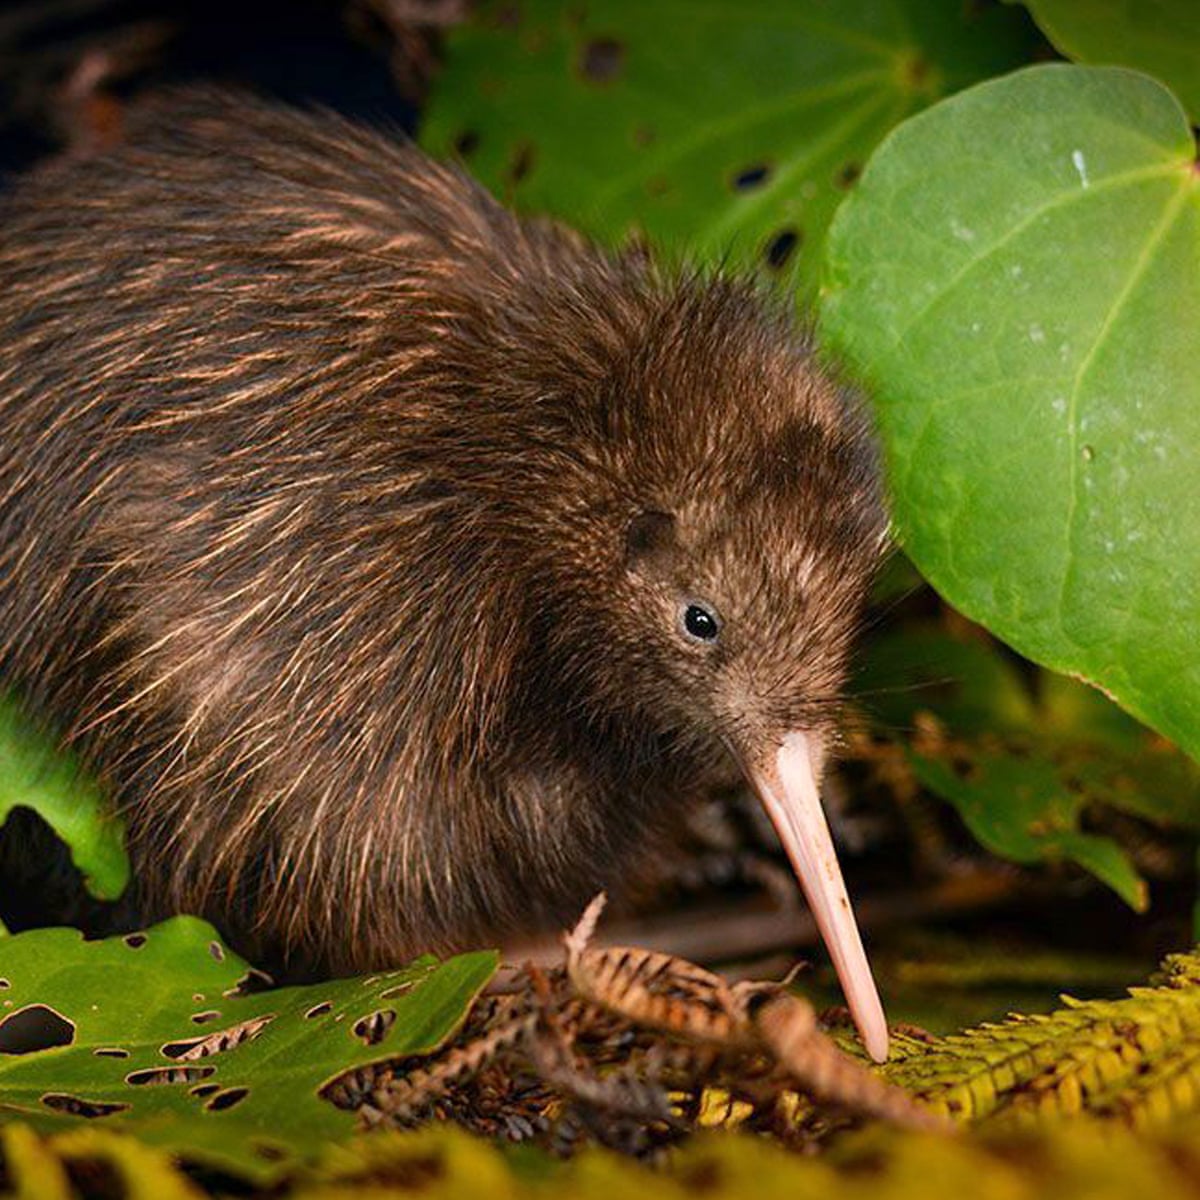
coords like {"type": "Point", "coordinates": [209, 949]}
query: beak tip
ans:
{"type": "Point", "coordinates": [876, 1043]}
{"type": "Point", "coordinates": [786, 783]}
{"type": "Point", "coordinates": [869, 1019]}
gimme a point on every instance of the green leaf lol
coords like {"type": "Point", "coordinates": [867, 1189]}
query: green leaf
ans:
{"type": "Point", "coordinates": [1025, 762]}
{"type": "Point", "coordinates": [1018, 278]}
{"type": "Point", "coordinates": [1160, 37]}
{"type": "Point", "coordinates": [1016, 809]}
{"type": "Point", "coordinates": [722, 128]}
{"type": "Point", "coordinates": [36, 774]}
{"type": "Point", "coordinates": [126, 1011]}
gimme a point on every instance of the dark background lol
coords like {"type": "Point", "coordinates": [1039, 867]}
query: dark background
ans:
{"type": "Point", "coordinates": [68, 66]}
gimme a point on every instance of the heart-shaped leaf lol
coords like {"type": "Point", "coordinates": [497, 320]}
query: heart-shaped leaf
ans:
{"type": "Point", "coordinates": [1018, 278]}
{"type": "Point", "coordinates": [1161, 37]}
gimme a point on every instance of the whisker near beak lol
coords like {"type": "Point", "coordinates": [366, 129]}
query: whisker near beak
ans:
{"type": "Point", "coordinates": [785, 778]}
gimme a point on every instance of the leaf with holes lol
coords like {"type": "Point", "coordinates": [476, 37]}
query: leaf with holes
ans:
{"type": "Point", "coordinates": [37, 775]}
{"type": "Point", "coordinates": [1018, 277]}
{"type": "Point", "coordinates": [158, 1034]}
{"type": "Point", "coordinates": [1161, 37]}
{"type": "Point", "coordinates": [730, 130]}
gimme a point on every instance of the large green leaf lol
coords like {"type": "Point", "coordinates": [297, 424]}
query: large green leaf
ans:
{"type": "Point", "coordinates": [730, 129]}
{"type": "Point", "coordinates": [1161, 37]}
{"type": "Point", "coordinates": [36, 774]}
{"type": "Point", "coordinates": [104, 1029]}
{"type": "Point", "coordinates": [1018, 277]}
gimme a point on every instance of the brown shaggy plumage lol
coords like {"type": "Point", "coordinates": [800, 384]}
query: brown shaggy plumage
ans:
{"type": "Point", "coordinates": [345, 521]}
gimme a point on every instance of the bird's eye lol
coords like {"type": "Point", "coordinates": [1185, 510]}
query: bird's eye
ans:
{"type": "Point", "coordinates": [700, 623]}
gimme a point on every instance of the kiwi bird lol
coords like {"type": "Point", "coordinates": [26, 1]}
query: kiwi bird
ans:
{"type": "Point", "coordinates": [405, 568]}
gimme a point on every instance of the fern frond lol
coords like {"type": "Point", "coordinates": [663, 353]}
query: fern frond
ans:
{"type": "Point", "coordinates": [1136, 1059]}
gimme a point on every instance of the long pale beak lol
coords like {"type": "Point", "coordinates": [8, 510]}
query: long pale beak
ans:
{"type": "Point", "coordinates": [786, 783]}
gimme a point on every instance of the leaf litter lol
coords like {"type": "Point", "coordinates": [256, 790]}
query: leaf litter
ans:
{"type": "Point", "coordinates": [632, 1049]}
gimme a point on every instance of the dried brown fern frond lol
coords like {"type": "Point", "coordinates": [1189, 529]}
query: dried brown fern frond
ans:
{"type": "Point", "coordinates": [632, 1049]}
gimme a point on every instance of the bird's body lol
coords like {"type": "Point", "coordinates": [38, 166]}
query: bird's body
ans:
{"type": "Point", "coordinates": [355, 530]}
